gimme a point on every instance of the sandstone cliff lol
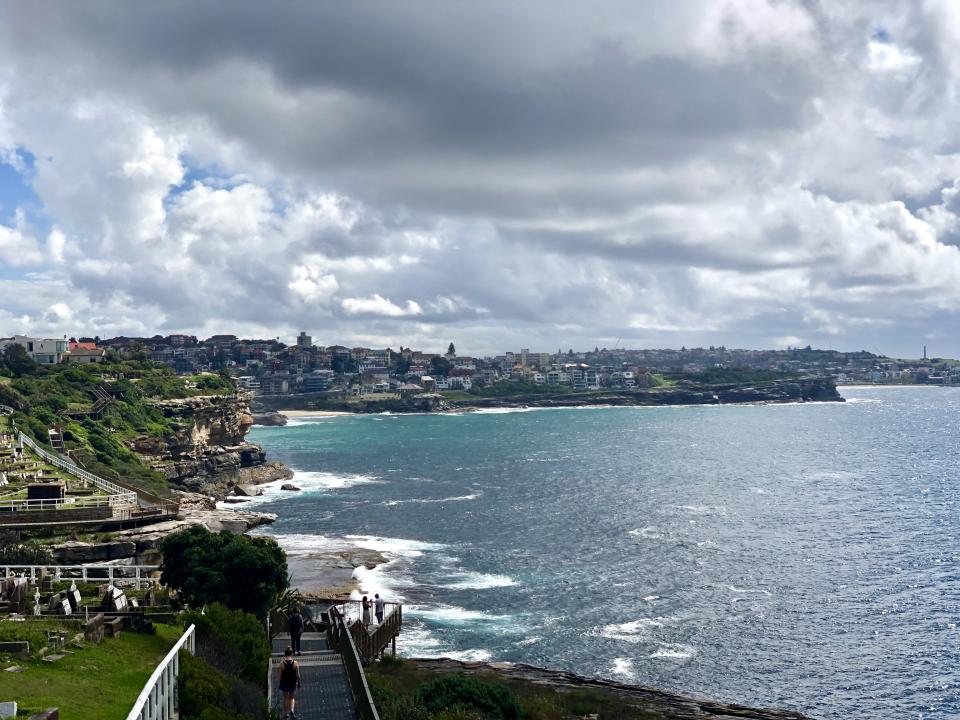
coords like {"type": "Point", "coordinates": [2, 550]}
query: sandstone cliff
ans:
{"type": "Point", "coordinates": [206, 451]}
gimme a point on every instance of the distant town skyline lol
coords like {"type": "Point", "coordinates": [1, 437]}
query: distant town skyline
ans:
{"type": "Point", "coordinates": [750, 173]}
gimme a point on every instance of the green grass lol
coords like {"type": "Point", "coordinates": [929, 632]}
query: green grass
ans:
{"type": "Point", "coordinates": [96, 682]}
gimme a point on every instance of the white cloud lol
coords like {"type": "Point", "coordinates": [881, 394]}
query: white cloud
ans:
{"type": "Point", "coordinates": [376, 305]}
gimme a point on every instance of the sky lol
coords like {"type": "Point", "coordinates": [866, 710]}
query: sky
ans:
{"type": "Point", "coordinates": [545, 174]}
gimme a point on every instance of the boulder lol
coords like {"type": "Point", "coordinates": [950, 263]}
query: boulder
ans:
{"type": "Point", "coordinates": [75, 552]}
{"type": "Point", "coordinates": [247, 490]}
{"type": "Point", "coordinates": [289, 486]}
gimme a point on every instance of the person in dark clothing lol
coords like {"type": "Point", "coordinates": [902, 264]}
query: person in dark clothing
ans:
{"type": "Point", "coordinates": [296, 629]}
{"type": "Point", "coordinates": [289, 671]}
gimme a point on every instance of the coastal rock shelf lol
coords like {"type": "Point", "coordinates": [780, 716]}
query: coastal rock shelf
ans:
{"type": "Point", "coordinates": [658, 703]}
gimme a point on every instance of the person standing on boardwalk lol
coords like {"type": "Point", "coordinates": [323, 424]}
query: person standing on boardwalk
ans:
{"type": "Point", "coordinates": [366, 610]}
{"type": "Point", "coordinates": [296, 629]}
{"type": "Point", "coordinates": [378, 604]}
{"type": "Point", "coordinates": [289, 683]}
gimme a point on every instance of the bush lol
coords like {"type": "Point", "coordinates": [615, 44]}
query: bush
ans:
{"type": "Point", "coordinates": [463, 694]}
{"type": "Point", "coordinates": [15, 552]}
{"type": "Point", "coordinates": [233, 641]}
{"type": "Point", "coordinates": [241, 572]}
{"type": "Point", "coordinates": [207, 694]}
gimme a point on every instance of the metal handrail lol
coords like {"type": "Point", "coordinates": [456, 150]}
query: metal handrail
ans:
{"type": "Point", "coordinates": [158, 699]}
{"type": "Point", "coordinates": [342, 641]}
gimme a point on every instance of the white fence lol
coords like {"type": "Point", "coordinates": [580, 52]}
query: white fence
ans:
{"type": "Point", "coordinates": [118, 575]}
{"type": "Point", "coordinates": [75, 503]}
{"type": "Point", "coordinates": [158, 699]}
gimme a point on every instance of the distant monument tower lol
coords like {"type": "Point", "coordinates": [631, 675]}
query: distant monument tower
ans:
{"type": "Point", "coordinates": [924, 352]}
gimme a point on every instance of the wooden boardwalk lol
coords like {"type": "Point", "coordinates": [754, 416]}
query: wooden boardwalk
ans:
{"type": "Point", "coordinates": [325, 694]}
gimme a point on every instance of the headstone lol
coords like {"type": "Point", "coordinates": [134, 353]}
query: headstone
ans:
{"type": "Point", "coordinates": [8, 709]}
{"type": "Point", "coordinates": [36, 603]}
{"type": "Point", "coordinates": [48, 714]}
{"type": "Point", "coordinates": [114, 600]}
{"type": "Point", "coordinates": [74, 595]}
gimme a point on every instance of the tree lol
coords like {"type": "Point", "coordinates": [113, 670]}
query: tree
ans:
{"type": "Point", "coordinates": [441, 366]}
{"type": "Point", "coordinates": [17, 361]}
{"type": "Point", "coordinates": [241, 572]}
{"type": "Point", "coordinates": [451, 350]}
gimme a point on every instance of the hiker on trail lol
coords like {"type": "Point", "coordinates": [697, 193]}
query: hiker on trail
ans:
{"type": "Point", "coordinates": [366, 610]}
{"type": "Point", "coordinates": [296, 629]}
{"type": "Point", "coordinates": [289, 683]}
{"type": "Point", "coordinates": [378, 605]}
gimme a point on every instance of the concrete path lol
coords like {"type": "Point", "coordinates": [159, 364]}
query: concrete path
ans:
{"type": "Point", "coordinates": [325, 694]}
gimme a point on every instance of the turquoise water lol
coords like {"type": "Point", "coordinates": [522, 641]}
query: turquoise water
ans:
{"type": "Point", "coordinates": [800, 556]}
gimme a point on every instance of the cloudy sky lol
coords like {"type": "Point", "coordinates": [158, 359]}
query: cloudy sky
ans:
{"type": "Point", "coordinates": [753, 173]}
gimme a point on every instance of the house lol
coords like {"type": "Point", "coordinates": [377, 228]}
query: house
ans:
{"type": "Point", "coordinates": [86, 355]}
{"type": "Point", "coordinates": [43, 351]}
{"type": "Point", "coordinates": [74, 345]}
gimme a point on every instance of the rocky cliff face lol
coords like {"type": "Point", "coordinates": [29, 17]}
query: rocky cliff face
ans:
{"type": "Point", "coordinates": [207, 452]}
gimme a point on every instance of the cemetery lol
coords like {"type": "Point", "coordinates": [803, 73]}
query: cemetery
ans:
{"type": "Point", "coordinates": [79, 645]}
{"type": "Point", "coordinates": [29, 483]}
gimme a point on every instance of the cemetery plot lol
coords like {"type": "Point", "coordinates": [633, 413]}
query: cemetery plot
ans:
{"type": "Point", "coordinates": [27, 482]}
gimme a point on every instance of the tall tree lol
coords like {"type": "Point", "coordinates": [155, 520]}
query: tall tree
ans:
{"type": "Point", "coordinates": [451, 350]}
{"type": "Point", "coordinates": [17, 360]}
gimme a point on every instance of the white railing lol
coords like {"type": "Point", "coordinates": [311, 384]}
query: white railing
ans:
{"type": "Point", "coordinates": [118, 575]}
{"type": "Point", "coordinates": [158, 699]}
{"type": "Point", "coordinates": [74, 503]}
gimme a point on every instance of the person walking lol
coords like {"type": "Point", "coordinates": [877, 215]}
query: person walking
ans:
{"type": "Point", "coordinates": [366, 610]}
{"type": "Point", "coordinates": [296, 629]}
{"type": "Point", "coordinates": [289, 671]}
{"type": "Point", "coordinates": [378, 605]}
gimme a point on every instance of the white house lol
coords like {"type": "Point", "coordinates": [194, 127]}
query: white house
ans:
{"type": "Point", "coordinates": [44, 351]}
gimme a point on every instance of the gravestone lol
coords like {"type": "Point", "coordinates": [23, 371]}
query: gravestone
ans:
{"type": "Point", "coordinates": [74, 596]}
{"type": "Point", "coordinates": [17, 601]}
{"type": "Point", "coordinates": [8, 709]}
{"type": "Point", "coordinates": [114, 600]}
{"type": "Point", "coordinates": [59, 604]}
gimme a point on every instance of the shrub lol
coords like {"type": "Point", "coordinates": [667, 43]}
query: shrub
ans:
{"type": "Point", "coordinates": [233, 641]}
{"type": "Point", "coordinates": [241, 572]}
{"type": "Point", "coordinates": [462, 693]}
{"type": "Point", "coordinates": [207, 694]}
{"type": "Point", "coordinates": [15, 552]}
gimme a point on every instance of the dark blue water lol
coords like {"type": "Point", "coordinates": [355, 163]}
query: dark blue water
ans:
{"type": "Point", "coordinates": [800, 556]}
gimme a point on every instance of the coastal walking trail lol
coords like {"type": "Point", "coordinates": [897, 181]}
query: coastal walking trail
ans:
{"type": "Point", "coordinates": [325, 694]}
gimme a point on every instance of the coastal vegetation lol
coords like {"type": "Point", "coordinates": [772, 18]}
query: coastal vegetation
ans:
{"type": "Point", "coordinates": [404, 690]}
{"type": "Point", "coordinates": [225, 679]}
{"type": "Point", "coordinates": [241, 572]}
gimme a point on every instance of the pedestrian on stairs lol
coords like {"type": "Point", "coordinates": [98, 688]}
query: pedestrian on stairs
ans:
{"type": "Point", "coordinates": [289, 683]}
{"type": "Point", "coordinates": [295, 624]}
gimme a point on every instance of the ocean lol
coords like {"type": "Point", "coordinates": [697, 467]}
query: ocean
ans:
{"type": "Point", "coordinates": [802, 556]}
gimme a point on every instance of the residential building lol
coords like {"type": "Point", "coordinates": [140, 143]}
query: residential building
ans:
{"type": "Point", "coordinates": [44, 351]}
{"type": "Point", "coordinates": [86, 355]}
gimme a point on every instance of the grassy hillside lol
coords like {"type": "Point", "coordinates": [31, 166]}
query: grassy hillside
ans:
{"type": "Point", "coordinates": [50, 396]}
